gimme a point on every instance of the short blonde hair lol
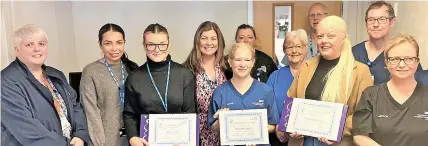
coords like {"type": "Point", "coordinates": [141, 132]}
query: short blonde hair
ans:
{"type": "Point", "coordinates": [299, 34]}
{"type": "Point", "coordinates": [401, 39]}
{"type": "Point", "coordinates": [26, 31]}
{"type": "Point", "coordinates": [242, 45]}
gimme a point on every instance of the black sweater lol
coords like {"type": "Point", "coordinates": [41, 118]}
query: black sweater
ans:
{"type": "Point", "coordinates": [317, 83]}
{"type": "Point", "coordinates": [141, 96]}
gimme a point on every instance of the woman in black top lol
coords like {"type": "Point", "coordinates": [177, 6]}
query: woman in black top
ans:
{"type": "Point", "coordinates": [264, 64]}
{"type": "Point", "coordinates": [396, 112]}
{"type": "Point", "coordinates": [157, 87]}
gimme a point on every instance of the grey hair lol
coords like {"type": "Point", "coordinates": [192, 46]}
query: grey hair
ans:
{"type": "Point", "coordinates": [26, 31]}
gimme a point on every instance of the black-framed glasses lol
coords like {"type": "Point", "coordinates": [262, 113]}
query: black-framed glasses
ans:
{"type": "Point", "coordinates": [317, 15]}
{"type": "Point", "coordinates": [406, 60]}
{"type": "Point", "coordinates": [380, 20]}
{"type": "Point", "coordinates": [161, 47]}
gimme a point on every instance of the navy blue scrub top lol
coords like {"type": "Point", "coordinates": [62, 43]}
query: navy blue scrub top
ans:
{"type": "Point", "coordinates": [259, 96]}
{"type": "Point", "coordinates": [377, 67]}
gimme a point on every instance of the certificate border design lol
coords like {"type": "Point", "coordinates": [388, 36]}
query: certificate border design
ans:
{"type": "Point", "coordinates": [331, 124]}
{"type": "Point", "coordinates": [172, 143]}
{"type": "Point", "coordinates": [261, 138]}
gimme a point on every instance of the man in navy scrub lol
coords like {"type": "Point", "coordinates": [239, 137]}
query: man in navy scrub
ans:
{"type": "Point", "coordinates": [242, 91]}
{"type": "Point", "coordinates": [380, 19]}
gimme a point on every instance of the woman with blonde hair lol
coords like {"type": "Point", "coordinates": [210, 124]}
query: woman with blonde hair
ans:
{"type": "Point", "coordinates": [295, 48]}
{"type": "Point", "coordinates": [38, 106]}
{"type": "Point", "coordinates": [395, 112]}
{"type": "Point", "coordinates": [242, 91]}
{"type": "Point", "coordinates": [334, 76]}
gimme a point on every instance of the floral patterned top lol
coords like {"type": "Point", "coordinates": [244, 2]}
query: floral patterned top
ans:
{"type": "Point", "coordinates": [204, 89]}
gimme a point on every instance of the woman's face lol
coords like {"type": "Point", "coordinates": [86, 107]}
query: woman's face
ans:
{"type": "Point", "coordinates": [329, 41]}
{"type": "Point", "coordinates": [295, 50]}
{"type": "Point", "coordinates": [246, 36]}
{"type": "Point", "coordinates": [402, 61]}
{"type": "Point", "coordinates": [33, 50]}
{"type": "Point", "coordinates": [242, 62]}
{"type": "Point", "coordinates": [208, 43]}
{"type": "Point", "coordinates": [157, 46]}
{"type": "Point", "coordinates": [113, 46]}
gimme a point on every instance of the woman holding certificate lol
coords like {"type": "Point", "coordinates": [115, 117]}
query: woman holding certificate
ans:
{"type": "Point", "coordinates": [159, 86]}
{"type": "Point", "coordinates": [295, 48]}
{"type": "Point", "coordinates": [207, 63]}
{"type": "Point", "coordinates": [242, 92]}
{"type": "Point", "coordinates": [396, 112]}
{"type": "Point", "coordinates": [334, 76]}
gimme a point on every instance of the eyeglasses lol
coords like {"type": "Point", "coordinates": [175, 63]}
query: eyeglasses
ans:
{"type": "Point", "coordinates": [406, 60]}
{"type": "Point", "coordinates": [380, 20]}
{"type": "Point", "coordinates": [318, 15]}
{"type": "Point", "coordinates": [296, 47]}
{"type": "Point", "coordinates": [161, 47]}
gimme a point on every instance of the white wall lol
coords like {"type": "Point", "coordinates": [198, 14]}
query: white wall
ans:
{"type": "Point", "coordinates": [72, 26]}
{"type": "Point", "coordinates": [180, 18]}
{"type": "Point", "coordinates": [54, 18]}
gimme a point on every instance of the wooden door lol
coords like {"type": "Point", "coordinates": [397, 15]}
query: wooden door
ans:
{"type": "Point", "coordinates": [264, 18]}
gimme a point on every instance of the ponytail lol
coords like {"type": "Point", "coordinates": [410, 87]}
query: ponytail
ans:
{"type": "Point", "coordinates": [130, 65]}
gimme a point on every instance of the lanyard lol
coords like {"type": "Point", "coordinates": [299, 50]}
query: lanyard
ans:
{"type": "Point", "coordinates": [121, 88]}
{"type": "Point", "coordinates": [57, 96]}
{"type": "Point", "coordinates": [164, 102]}
{"type": "Point", "coordinates": [310, 46]}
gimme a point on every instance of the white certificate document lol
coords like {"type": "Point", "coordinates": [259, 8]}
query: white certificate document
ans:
{"type": "Point", "coordinates": [317, 118]}
{"type": "Point", "coordinates": [241, 127]}
{"type": "Point", "coordinates": [170, 129]}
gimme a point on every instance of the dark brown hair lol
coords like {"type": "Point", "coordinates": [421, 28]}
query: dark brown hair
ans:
{"type": "Point", "coordinates": [194, 59]}
{"type": "Point", "coordinates": [155, 28]}
{"type": "Point", "coordinates": [130, 65]}
{"type": "Point", "coordinates": [379, 4]}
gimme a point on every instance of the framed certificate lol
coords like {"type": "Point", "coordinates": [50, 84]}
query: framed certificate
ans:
{"type": "Point", "coordinates": [170, 129]}
{"type": "Point", "coordinates": [313, 118]}
{"type": "Point", "coordinates": [241, 127]}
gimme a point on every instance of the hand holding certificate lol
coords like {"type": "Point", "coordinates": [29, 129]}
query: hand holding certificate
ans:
{"type": "Point", "coordinates": [241, 127]}
{"type": "Point", "coordinates": [313, 118]}
{"type": "Point", "coordinates": [170, 129]}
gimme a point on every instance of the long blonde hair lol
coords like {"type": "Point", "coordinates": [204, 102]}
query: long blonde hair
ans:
{"type": "Point", "coordinates": [339, 78]}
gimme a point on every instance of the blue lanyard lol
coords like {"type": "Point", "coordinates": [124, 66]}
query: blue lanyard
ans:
{"type": "Point", "coordinates": [310, 46]}
{"type": "Point", "coordinates": [57, 95]}
{"type": "Point", "coordinates": [121, 88]}
{"type": "Point", "coordinates": [164, 102]}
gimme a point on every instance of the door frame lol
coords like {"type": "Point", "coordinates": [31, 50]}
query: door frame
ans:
{"type": "Point", "coordinates": [273, 23]}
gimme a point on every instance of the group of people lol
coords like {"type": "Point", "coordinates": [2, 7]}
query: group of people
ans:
{"type": "Point", "coordinates": [381, 80]}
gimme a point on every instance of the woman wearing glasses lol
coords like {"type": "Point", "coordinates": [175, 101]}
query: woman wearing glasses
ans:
{"type": "Point", "coordinates": [334, 76]}
{"type": "Point", "coordinates": [295, 48]}
{"type": "Point", "coordinates": [157, 87]}
{"type": "Point", "coordinates": [242, 91]}
{"type": "Point", "coordinates": [102, 90]}
{"type": "Point", "coordinates": [395, 112]}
